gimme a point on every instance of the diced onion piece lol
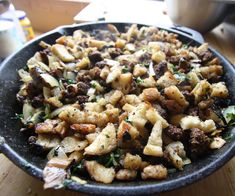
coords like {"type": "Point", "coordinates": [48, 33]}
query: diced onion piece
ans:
{"type": "Point", "coordinates": [25, 76]}
{"type": "Point", "coordinates": [57, 152]}
{"type": "Point", "coordinates": [59, 110]}
{"type": "Point", "coordinates": [217, 143]}
{"type": "Point", "coordinates": [28, 110]}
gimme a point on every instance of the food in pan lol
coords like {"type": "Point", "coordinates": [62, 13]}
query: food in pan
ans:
{"type": "Point", "coordinates": [122, 106]}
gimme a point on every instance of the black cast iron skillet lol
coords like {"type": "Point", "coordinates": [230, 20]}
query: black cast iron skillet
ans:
{"type": "Point", "coordinates": [14, 144]}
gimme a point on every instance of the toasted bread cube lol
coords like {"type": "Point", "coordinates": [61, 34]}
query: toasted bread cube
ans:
{"type": "Point", "coordinates": [166, 80]}
{"type": "Point", "coordinates": [100, 173]}
{"type": "Point", "coordinates": [154, 145]}
{"type": "Point", "coordinates": [219, 90]}
{"type": "Point", "coordinates": [157, 172]}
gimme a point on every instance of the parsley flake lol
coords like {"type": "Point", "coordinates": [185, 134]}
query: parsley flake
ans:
{"type": "Point", "coordinates": [125, 69]}
{"type": "Point", "coordinates": [69, 81]}
{"type": "Point", "coordinates": [229, 114]}
{"type": "Point", "coordinates": [139, 80]}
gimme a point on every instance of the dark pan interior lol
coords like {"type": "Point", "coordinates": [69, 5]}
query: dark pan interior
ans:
{"type": "Point", "coordinates": [14, 144]}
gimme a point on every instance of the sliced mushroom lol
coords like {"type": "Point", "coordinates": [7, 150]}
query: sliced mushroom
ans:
{"type": "Point", "coordinates": [47, 141]}
{"type": "Point", "coordinates": [56, 152]}
{"type": "Point", "coordinates": [71, 144]}
{"type": "Point", "coordinates": [49, 80]}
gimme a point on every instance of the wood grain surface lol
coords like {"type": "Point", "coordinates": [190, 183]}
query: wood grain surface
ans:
{"type": "Point", "coordinates": [15, 182]}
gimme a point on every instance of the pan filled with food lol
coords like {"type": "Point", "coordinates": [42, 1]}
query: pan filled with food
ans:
{"type": "Point", "coordinates": [117, 108]}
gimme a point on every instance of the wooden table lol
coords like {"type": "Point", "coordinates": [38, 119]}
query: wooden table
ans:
{"type": "Point", "coordinates": [15, 182]}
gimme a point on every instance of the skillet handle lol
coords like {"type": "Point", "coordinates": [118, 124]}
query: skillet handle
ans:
{"type": "Point", "coordinates": [189, 32]}
{"type": "Point", "coordinates": [2, 142]}
{"type": "Point", "coordinates": [233, 150]}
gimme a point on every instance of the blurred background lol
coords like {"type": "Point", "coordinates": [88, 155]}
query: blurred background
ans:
{"type": "Point", "coordinates": [38, 16]}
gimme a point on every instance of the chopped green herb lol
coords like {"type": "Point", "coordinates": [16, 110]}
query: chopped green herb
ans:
{"type": "Point", "coordinates": [227, 136]}
{"type": "Point", "coordinates": [93, 85]}
{"type": "Point", "coordinates": [186, 45]}
{"type": "Point", "coordinates": [229, 114]}
{"type": "Point", "coordinates": [47, 112]}
{"type": "Point", "coordinates": [172, 67]}
{"type": "Point", "coordinates": [139, 80]}
{"type": "Point", "coordinates": [180, 76]}
{"type": "Point", "coordinates": [145, 64]}
{"type": "Point", "coordinates": [127, 120]}
{"type": "Point", "coordinates": [77, 168]}
{"type": "Point", "coordinates": [67, 182]}
{"type": "Point", "coordinates": [94, 99]}
{"type": "Point", "coordinates": [18, 116]}
{"type": "Point", "coordinates": [55, 153]}
{"type": "Point", "coordinates": [69, 81]}
{"type": "Point", "coordinates": [111, 159]}
{"type": "Point", "coordinates": [171, 171]}
{"type": "Point", "coordinates": [107, 136]}
{"type": "Point", "coordinates": [26, 68]}
{"type": "Point", "coordinates": [125, 69]}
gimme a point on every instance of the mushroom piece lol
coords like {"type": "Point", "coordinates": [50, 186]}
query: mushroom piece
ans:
{"type": "Point", "coordinates": [71, 144]}
{"type": "Point", "coordinates": [49, 80]}
{"type": "Point", "coordinates": [46, 141]}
